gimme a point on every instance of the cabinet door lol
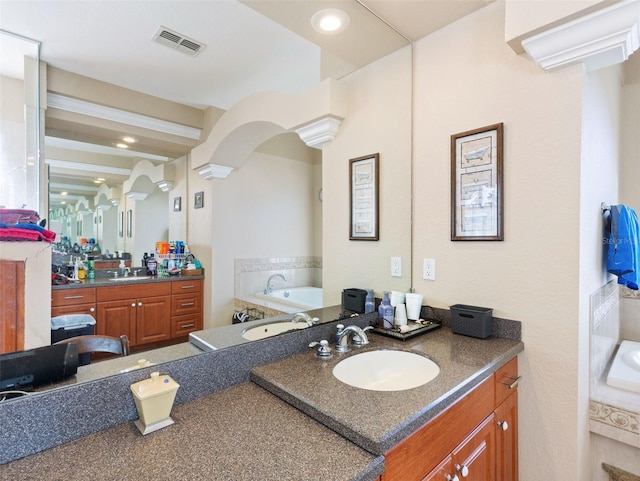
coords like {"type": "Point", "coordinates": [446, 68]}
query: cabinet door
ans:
{"type": "Point", "coordinates": [443, 471]}
{"type": "Point", "coordinates": [153, 322]}
{"type": "Point", "coordinates": [12, 306]}
{"type": "Point", "coordinates": [506, 417]}
{"type": "Point", "coordinates": [474, 459]}
{"type": "Point", "coordinates": [116, 318]}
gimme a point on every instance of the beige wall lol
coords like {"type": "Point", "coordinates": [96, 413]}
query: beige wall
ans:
{"type": "Point", "coordinates": [264, 209]}
{"type": "Point", "coordinates": [378, 121]}
{"type": "Point", "coordinates": [467, 77]}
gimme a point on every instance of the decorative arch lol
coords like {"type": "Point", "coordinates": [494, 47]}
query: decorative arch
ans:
{"type": "Point", "coordinates": [145, 177]}
{"type": "Point", "coordinates": [314, 115]}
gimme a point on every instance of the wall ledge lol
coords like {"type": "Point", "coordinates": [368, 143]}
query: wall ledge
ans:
{"type": "Point", "coordinates": [600, 39]}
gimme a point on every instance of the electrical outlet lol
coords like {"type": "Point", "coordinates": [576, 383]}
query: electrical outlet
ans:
{"type": "Point", "coordinates": [429, 269]}
{"type": "Point", "coordinates": [396, 267]}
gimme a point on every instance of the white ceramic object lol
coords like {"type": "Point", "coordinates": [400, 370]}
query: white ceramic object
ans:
{"type": "Point", "coordinates": [267, 330]}
{"type": "Point", "coordinates": [154, 398]}
{"type": "Point", "coordinates": [400, 315]}
{"type": "Point", "coordinates": [386, 370]}
{"type": "Point", "coordinates": [396, 298]}
{"type": "Point", "coordinates": [414, 305]}
{"type": "Point", "coordinates": [625, 369]}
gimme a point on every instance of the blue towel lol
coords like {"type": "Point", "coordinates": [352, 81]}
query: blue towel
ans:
{"type": "Point", "coordinates": [623, 257]}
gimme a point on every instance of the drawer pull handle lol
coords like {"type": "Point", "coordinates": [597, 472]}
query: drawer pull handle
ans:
{"type": "Point", "coordinates": [514, 383]}
{"type": "Point", "coordinates": [185, 304]}
{"type": "Point", "coordinates": [187, 326]}
{"type": "Point", "coordinates": [92, 309]}
{"type": "Point", "coordinates": [188, 287]}
{"type": "Point", "coordinates": [73, 297]}
{"type": "Point", "coordinates": [448, 477]}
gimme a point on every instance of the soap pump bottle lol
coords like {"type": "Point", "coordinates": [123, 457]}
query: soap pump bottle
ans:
{"type": "Point", "coordinates": [383, 312]}
{"type": "Point", "coordinates": [122, 268]}
{"type": "Point", "coordinates": [369, 303]}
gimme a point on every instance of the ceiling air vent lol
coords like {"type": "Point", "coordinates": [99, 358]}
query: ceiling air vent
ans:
{"type": "Point", "coordinates": [179, 42]}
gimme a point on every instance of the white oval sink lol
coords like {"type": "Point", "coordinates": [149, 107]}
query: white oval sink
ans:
{"type": "Point", "coordinates": [268, 330]}
{"type": "Point", "coordinates": [130, 278]}
{"type": "Point", "coordinates": [386, 370]}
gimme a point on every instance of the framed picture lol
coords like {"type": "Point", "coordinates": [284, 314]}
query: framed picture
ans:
{"type": "Point", "coordinates": [129, 222]}
{"type": "Point", "coordinates": [476, 184]}
{"type": "Point", "coordinates": [121, 224]}
{"type": "Point", "coordinates": [364, 187]}
{"type": "Point", "coordinates": [177, 204]}
{"type": "Point", "coordinates": [198, 202]}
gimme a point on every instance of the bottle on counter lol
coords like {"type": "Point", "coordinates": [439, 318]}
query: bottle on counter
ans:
{"type": "Point", "coordinates": [386, 301]}
{"type": "Point", "coordinates": [152, 266]}
{"type": "Point", "coordinates": [144, 259]}
{"type": "Point", "coordinates": [370, 302]}
{"type": "Point", "coordinates": [91, 267]}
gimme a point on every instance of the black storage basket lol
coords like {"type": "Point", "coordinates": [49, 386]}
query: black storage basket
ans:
{"type": "Point", "coordinates": [472, 321]}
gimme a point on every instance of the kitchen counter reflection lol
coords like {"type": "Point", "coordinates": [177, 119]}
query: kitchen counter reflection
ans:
{"type": "Point", "coordinates": [201, 341]}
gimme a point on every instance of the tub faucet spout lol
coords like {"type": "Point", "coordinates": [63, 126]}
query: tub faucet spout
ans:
{"type": "Point", "coordinates": [269, 287]}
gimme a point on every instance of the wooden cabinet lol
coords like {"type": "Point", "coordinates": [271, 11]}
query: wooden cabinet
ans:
{"type": "Point", "coordinates": [473, 459]}
{"type": "Point", "coordinates": [145, 312]}
{"type": "Point", "coordinates": [141, 311]}
{"type": "Point", "coordinates": [475, 439]}
{"type": "Point", "coordinates": [12, 306]}
{"type": "Point", "coordinates": [186, 307]}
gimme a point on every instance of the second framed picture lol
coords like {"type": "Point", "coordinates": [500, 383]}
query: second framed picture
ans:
{"type": "Point", "coordinates": [364, 187]}
{"type": "Point", "coordinates": [476, 184]}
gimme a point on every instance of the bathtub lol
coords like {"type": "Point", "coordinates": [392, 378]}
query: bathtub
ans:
{"type": "Point", "coordinates": [625, 369]}
{"type": "Point", "coordinates": [302, 298]}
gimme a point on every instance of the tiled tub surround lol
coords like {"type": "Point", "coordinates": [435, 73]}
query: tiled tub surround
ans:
{"type": "Point", "coordinates": [251, 276]}
{"type": "Point", "coordinates": [614, 414]}
{"type": "Point", "coordinates": [106, 407]}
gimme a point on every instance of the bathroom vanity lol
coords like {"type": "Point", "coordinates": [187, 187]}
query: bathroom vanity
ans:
{"type": "Point", "coordinates": [147, 310]}
{"type": "Point", "coordinates": [271, 409]}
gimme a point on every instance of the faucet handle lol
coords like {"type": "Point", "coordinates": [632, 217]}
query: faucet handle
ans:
{"type": "Point", "coordinates": [322, 348]}
{"type": "Point", "coordinates": [361, 339]}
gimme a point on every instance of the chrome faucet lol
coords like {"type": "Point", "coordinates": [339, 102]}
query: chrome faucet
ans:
{"type": "Point", "coordinates": [358, 334]}
{"type": "Point", "coordinates": [269, 287]}
{"type": "Point", "coordinates": [303, 316]}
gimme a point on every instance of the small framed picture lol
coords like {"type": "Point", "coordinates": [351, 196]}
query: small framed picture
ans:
{"type": "Point", "coordinates": [198, 200]}
{"type": "Point", "coordinates": [364, 187]}
{"type": "Point", "coordinates": [177, 204]}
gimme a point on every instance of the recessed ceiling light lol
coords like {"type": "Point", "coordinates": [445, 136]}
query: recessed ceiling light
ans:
{"type": "Point", "coordinates": [120, 145]}
{"type": "Point", "coordinates": [128, 140]}
{"type": "Point", "coordinates": [330, 21]}
{"type": "Point", "coordinates": [64, 193]}
{"type": "Point", "coordinates": [101, 179]}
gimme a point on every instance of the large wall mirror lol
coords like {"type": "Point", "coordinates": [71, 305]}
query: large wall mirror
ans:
{"type": "Point", "coordinates": [88, 173]}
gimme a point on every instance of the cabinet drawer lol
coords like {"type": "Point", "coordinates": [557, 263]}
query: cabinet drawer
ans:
{"type": "Point", "coordinates": [183, 325]}
{"type": "Point", "coordinates": [186, 304]}
{"type": "Point", "coordinates": [74, 309]}
{"type": "Point", "coordinates": [134, 291]}
{"type": "Point", "coordinates": [66, 297]}
{"type": "Point", "coordinates": [506, 380]}
{"type": "Point", "coordinates": [182, 287]}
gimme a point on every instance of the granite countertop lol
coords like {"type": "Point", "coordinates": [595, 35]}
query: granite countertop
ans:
{"type": "Point", "coordinates": [295, 421]}
{"type": "Point", "coordinates": [105, 280]}
{"type": "Point", "coordinates": [375, 420]}
{"type": "Point", "coordinates": [241, 433]}
{"type": "Point", "coordinates": [225, 336]}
